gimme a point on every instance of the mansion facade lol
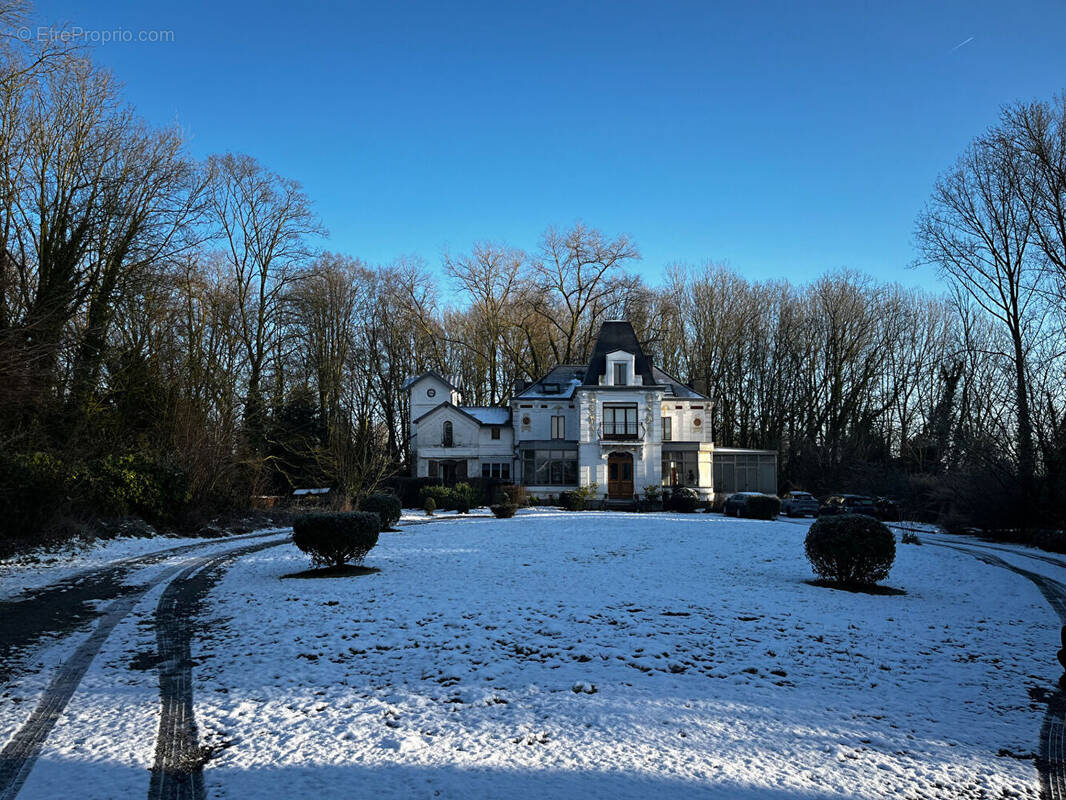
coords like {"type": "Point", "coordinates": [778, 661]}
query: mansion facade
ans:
{"type": "Point", "coordinates": [618, 422]}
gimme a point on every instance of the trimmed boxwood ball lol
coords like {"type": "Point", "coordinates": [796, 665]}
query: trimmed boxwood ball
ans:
{"type": "Point", "coordinates": [429, 506]}
{"type": "Point", "coordinates": [504, 510]}
{"type": "Point", "coordinates": [763, 506]}
{"type": "Point", "coordinates": [334, 539]}
{"type": "Point", "coordinates": [851, 549]}
{"type": "Point", "coordinates": [385, 505]}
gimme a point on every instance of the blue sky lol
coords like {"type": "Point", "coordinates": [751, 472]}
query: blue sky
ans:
{"type": "Point", "coordinates": [784, 138]}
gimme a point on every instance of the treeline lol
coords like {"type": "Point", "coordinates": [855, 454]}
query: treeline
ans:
{"type": "Point", "coordinates": [174, 339]}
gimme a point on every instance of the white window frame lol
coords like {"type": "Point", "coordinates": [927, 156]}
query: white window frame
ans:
{"type": "Point", "coordinates": [558, 426]}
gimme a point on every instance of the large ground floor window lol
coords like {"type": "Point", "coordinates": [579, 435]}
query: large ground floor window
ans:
{"type": "Point", "coordinates": [549, 467]}
{"type": "Point", "coordinates": [498, 470]}
{"type": "Point", "coordinates": [745, 472]}
{"type": "Point", "coordinates": [681, 468]}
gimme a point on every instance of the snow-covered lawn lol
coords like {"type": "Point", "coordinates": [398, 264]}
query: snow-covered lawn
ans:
{"type": "Point", "coordinates": [591, 655]}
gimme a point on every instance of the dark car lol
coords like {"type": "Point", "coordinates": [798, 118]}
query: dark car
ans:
{"type": "Point", "coordinates": [799, 504]}
{"type": "Point", "coordinates": [848, 504]}
{"type": "Point", "coordinates": [887, 510]}
{"type": "Point", "coordinates": [736, 505]}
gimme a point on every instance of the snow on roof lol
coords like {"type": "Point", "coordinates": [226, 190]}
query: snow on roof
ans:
{"type": "Point", "coordinates": [559, 383]}
{"type": "Point", "coordinates": [664, 378]}
{"type": "Point", "coordinates": [489, 415]}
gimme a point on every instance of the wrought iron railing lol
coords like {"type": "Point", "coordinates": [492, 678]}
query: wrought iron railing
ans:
{"type": "Point", "coordinates": [622, 431]}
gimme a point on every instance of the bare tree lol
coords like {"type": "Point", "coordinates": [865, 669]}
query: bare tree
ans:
{"type": "Point", "coordinates": [265, 223]}
{"type": "Point", "coordinates": [577, 269]}
{"type": "Point", "coordinates": [977, 229]}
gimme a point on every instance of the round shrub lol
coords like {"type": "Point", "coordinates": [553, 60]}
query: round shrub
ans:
{"type": "Point", "coordinates": [429, 506]}
{"type": "Point", "coordinates": [504, 510]}
{"type": "Point", "coordinates": [385, 505]}
{"type": "Point", "coordinates": [763, 506]}
{"type": "Point", "coordinates": [334, 539]}
{"type": "Point", "coordinates": [851, 549]}
{"type": "Point", "coordinates": [466, 497]}
{"type": "Point", "coordinates": [442, 496]}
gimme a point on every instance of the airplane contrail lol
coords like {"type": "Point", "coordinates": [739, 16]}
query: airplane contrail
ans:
{"type": "Point", "coordinates": [960, 44]}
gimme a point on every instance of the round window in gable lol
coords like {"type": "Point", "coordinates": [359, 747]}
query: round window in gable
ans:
{"type": "Point", "coordinates": [525, 420]}
{"type": "Point", "coordinates": [697, 422]}
{"type": "Point", "coordinates": [431, 393]}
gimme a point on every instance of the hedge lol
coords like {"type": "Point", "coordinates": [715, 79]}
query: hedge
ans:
{"type": "Point", "coordinates": [386, 505]}
{"type": "Point", "coordinates": [504, 510]}
{"type": "Point", "coordinates": [763, 506]}
{"type": "Point", "coordinates": [334, 539]}
{"type": "Point", "coordinates": [851, 549]}
{"type": "Point", "coordinates": [682, 499]}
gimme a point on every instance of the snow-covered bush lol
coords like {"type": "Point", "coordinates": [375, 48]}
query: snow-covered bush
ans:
{"type": "Point", "coordinates": [504, 510]}
{"type": "Point", "coordinates": [334, 539]}
{"type": "Point", "coordinates": [385, 505]}
{"type": "Point", "coordinates": [851, 549]}
{"type": "Point", "coordinates": [763, 506]}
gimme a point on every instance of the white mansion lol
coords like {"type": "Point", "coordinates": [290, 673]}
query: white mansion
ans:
{"type": "Point", "coordinates": [618, 422]}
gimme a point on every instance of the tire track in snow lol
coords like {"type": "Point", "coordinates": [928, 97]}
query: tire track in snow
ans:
{"type": "Point", "coordinates": [21, 751]}
{"type": "Point", "coordinates": [1052, 762]}
{"type": "Point", "coordinates": [177, 773]}
{"type": "Point", "coordinates": [64, 606]}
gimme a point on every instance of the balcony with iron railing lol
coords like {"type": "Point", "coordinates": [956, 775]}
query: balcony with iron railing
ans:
{"type": "Point", "coordinates": [621, 431]}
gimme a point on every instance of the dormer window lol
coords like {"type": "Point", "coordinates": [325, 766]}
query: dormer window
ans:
{"type": "Point", "coordinates": [621, 374]}
{"type": "Point", "coordinates": [551, 388]}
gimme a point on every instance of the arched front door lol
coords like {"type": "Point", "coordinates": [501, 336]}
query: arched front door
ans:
{"type": "Point", "coordinates": [620, 476]}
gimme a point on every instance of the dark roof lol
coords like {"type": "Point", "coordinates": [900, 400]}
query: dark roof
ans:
{"type": "Point", "coordinates": [567, 376]}
{"type": "Point", "coordinates": [613, 336]}
{"type": "Point", "coordinates": [676, 387]}
{"type": "Point", "coordinates": [617, 335]}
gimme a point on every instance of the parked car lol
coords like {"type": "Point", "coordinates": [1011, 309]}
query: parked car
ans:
{"type": "Point", "coordinates": [847, 504]}
{"type": "Point", "coordinates": [736, 505]}
{"type": "Point", "coordinates": [799, 504]}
